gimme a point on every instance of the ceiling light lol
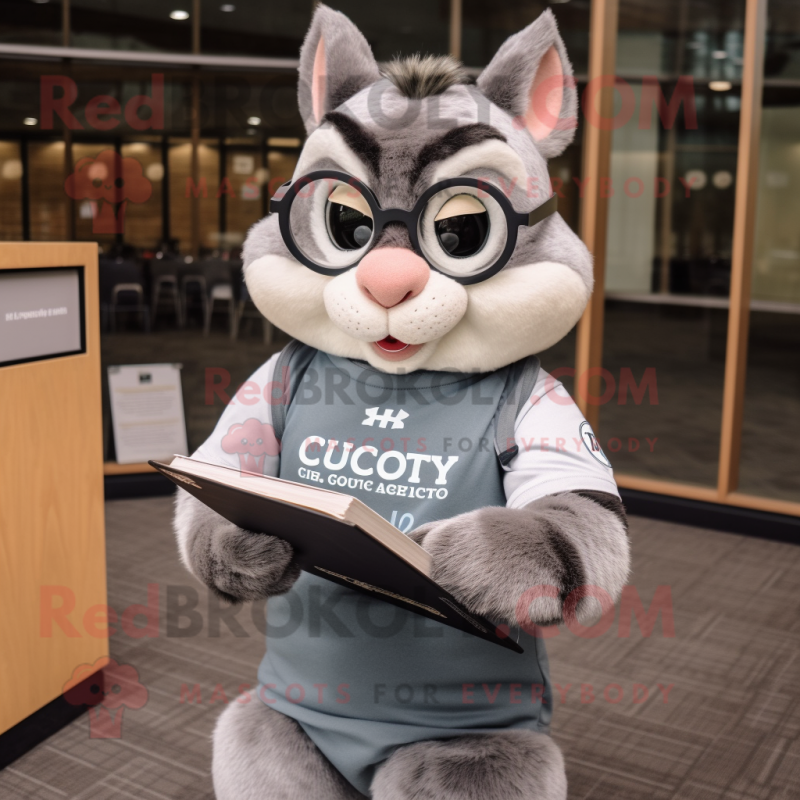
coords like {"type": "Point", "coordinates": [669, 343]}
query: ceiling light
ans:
{"type": "Point", "coordinates": [696, 179]}
{"type": "Point", "coordinates": [719, 54]}
{"type": "Point", "coordinates": [254, 120]}
{"type": "Point", "coordinates": [30, 121]}
{"type": "Point", "coordinates": [227, 8]}
{"type": "Point", "coordinates": [720, 86]}
{"type": "Point", "coordinates": [179, 14]}
{"type": "Point", "coordinates": [722, 179]}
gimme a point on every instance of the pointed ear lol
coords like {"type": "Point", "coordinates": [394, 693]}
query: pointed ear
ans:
{"type": "Point", "coordinates": [335, 63]}
{"type": "Point", "coordinates": [531, 79]}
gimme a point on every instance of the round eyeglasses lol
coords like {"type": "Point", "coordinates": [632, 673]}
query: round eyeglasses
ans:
{"type": "Point", "coordinates": [465, 228]}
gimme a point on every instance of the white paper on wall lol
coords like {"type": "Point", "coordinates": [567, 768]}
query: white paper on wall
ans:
{"type": "Point", "coordinates": [147, 412]}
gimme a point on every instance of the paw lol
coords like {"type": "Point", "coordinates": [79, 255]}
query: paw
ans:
{"type": "Point", "coordinates": [236, 564]}
{"type": "Point", "coordinates": [249, 566]}
{"type": "Point", "coordinates": [459, 552]}
{"type": "Point", "coordinates": [492, 560]}
{"type": "Point", "coordinates": [561, 557]}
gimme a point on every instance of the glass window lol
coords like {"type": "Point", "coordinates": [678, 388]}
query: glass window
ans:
{"type": "Point", "coordinates": [131, 24]}
{"type": "Point", "coordinates": [143, 217]}
{"type": "Point", "coordinates": [10, 191]}
{"type": "Point", "coordinates": [210, 206]}
{"type": "Point", "coordinates": [180, 189]}
{"type": "Point", "coordinates": [771, 426]}
{"type": "Point", "coordinates": [670, 227]}
{"type": "Point", "coordinates": [19, 98]}
{"type": "Point", "coordinates": [245, 181]}
{"type": "Point", "coordinates": [254, 27]}
{"type": "Point", "coordinates": [48, 201]}
{"type": "Point", "coordinates": [96, 218]}
{"type": "Point", "coordinates": [27, 22]}
{"type": "Point", "coordinates": [392, 29]}
{"type": "Point", "coordinates": [487, 25]}
{"type": "Point", "coordinates": [250, 105]}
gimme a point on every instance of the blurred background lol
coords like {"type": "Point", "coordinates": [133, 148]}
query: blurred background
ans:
{"type": "Point", "coordinates": [197, 99]}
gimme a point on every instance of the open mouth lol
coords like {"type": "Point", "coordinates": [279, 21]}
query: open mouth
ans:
{"type": "Point", "coordinates": [391, 345]}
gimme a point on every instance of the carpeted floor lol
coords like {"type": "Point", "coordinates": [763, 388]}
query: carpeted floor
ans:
{"type": "Point", "coordinates": [721, 718]}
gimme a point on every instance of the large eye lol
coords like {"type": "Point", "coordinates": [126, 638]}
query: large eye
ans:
{"type": "Point", "coordinates": [462, 226]}
{"type": "Point", "coordinates": [462, 231]}
{"type": "Point", "coordinates": [349, 218]}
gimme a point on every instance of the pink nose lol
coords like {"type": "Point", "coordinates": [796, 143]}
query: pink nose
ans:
{"type": "Point", "coordinates": [390, 275]}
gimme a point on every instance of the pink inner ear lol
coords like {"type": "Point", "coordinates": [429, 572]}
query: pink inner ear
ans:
{"type": "Point", "coordinates": [545, 97]}
{"type": "Point", "coordinates": [318, 82]}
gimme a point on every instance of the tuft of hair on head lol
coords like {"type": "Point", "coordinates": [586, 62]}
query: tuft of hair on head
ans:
{"type": "Point", "coordinates": [419, 76]}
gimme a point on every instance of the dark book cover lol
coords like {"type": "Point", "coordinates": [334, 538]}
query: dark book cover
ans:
{"type": "Point", "coordinates": [337, 551]}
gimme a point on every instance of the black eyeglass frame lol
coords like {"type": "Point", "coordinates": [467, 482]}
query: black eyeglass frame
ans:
{"type": "Point", "coordinates": [281, 203]}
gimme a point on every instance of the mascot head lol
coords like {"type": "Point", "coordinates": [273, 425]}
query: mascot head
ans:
{"type": "Point", "coordinates": [419, 231]}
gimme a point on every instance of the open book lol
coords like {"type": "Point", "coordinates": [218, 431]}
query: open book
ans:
{"type": "Point", "coordinates": [334, 536]}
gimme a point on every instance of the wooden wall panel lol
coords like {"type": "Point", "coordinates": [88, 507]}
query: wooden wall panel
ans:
{"type": "Point", "coordinates": [51, 502]}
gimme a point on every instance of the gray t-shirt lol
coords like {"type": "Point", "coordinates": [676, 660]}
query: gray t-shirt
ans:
{"type": "Point", "coordinates": [361, 676]}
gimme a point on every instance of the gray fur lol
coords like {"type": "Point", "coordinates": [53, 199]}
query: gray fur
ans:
{"type": "Point", "coordinates": [508, 78]}
{"type": "Point", "coordinates": [349, 63]}
{"type": "Point", "coordinates": [419, 76]}
{"type": "Point", "coordinates": [358, 139]}
{"type": "Point", "coordinates": [263, 237]}
{"type": "Point", "coordinates": [566, 541]}
{"type": "Point", "coordinates": [489, 557]}
{"type": "Point", "coordinates": [540, 302]}
{"type": "Point", "coordinates": [260, 754]}
{"type": "Point", "coordinates": [512, 765]}
{"type": "Point", "coordinates": [234, 563]}
{"type": "Point", "coordinates": [450, 143]}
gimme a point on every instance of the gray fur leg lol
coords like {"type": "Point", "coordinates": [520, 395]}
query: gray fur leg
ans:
{"type": "Point", "coordinates": [260, 754]}
{"type": "Point", "coordinates": [513, 765]}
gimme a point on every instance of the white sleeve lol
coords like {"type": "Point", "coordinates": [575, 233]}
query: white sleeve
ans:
{"type": "Point", "coordinates": [558, 451]}
{"type": "Point", "coordinates": [243, 437]}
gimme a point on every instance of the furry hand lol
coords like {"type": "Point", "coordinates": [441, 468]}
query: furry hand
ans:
{"type": "Point", "coordinates": [518, 565]}
{"type": "Point", "coordinates": [234, 563]}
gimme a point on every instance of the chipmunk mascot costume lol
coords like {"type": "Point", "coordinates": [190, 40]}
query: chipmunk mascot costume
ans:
{"type": "Point", "coordinates": [419, 262]}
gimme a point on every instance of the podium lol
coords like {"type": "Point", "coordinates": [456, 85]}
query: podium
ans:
{"type": "Point", "coordinates": [52, 534]}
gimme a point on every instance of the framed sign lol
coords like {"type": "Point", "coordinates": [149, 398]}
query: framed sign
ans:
{"type": "Point", "coordinates": [147, 412]}
{"type": "Point", "coordinates": [42, 314]}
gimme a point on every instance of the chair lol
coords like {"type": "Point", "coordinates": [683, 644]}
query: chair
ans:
{"type": "Point", "coordinates": [247, 309]}
{"type": "Point", "coordinates": [122, 281]}
{"type": "Point", "coordinates": [220, 276]}
{"type": "Point", "coordinates": [164, 280]}
{"type": "Point", "coordinates": [192, 274]}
